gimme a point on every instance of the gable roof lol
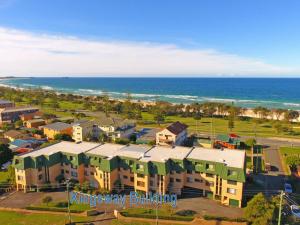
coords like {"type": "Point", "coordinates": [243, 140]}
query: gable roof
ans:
{"type": "Point", "coordinates": [176, 127]}
{"type": "Point", "coordinates": [13, 134]}
{"type": "Point", "coordinates": [58, 126]}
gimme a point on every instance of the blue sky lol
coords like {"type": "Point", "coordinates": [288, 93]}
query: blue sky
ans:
{"type": "Point", "coordinates": [265, 31]}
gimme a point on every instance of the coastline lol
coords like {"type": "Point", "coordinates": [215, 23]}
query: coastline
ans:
{"type": "Point", "coordinates": [249, 112]}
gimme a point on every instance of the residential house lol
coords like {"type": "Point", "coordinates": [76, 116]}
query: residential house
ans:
{"type": "Point", "coordinates": [9, 115]}
{"type": "Point", "coordinates": [25, 143]}
{"type": "Point", "coordinates": [116, 128]}
{"type": "Point", "coordinates": [212, 173]}
{"type": "Point", "coordinates": [174, 134]}
{"type": "Point", "coordinates": [52, 129]}
{"type": "Point", "coordinates": [34, 123]}
{"type": "Point", "coordinates": [85, 129]}
{"type": "Point", "coordinates": [6, 104]}
{"type": "Point", "coordinates": [14, 134]}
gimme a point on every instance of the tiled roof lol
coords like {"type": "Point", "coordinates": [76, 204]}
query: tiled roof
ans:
{"type": "Point", "coordinates": [177, 127]}
{"type": "Point", "coordinates": [58, 126]}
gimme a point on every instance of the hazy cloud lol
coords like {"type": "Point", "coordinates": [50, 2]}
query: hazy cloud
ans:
{"type": "Point", "coordinates": [33, 54]}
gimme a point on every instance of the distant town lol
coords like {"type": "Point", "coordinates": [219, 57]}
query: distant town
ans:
{"type": "Point", "coordinates": [220, 162]}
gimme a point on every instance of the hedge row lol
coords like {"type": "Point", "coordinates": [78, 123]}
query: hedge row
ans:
{"type": "Point", "coordinates": [148, 216]}
{"type": "Point", "coordinates": [53, 209]}
{"type": "Point", "coordinates": [223, 218]}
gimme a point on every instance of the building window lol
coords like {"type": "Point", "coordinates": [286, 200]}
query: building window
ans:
{"type": "Point", "coordinates": [140, 175]}
{"type": "Point", "coordinates": [209, 183]}
{"type": "Point", "coordinates": [152, 175]}
{"type": "Point", "coordinates": [151, 183]}
{"type": "Point", "coordinates": [86, 173]}
{"type": "Point", "coordinates": [131, 179]}
{"type": "Point", "coordinates": [189, 180]}
{"type": "Point", "coordinates": [71, 158]}
{"type": "Point", "coordinates": [141, 183]}
{"type": "Point", "coordinates": [40, 177]}
{"type": "Point", "coordinates": [73, 174]}
{"type": "Point", "coordinates": [62, 171]}
{"type": "Point", "coordinates": [67, 171]}
{"type": "Point", "coordinates": [100, 175]}
{"type": "Point", "coordinates": [92, 173]}
{"type": "Point", "coordinates": [171, 180]}
{"type": "Point", "coordinates": [231, 191]}
{"type": "Point", "coordinates": [20, 178]}
{"type": "Point", "coordinates": [125, 177]}
{"type": "Point", "coordinates": [73, 167]}
{"type": "Point", "coordinates": [189, 172]}
{"type": "Point", "coordinates": [198, 180]}
{"type": "Point", "coordinates": [40, 169]}
{"type": "Point", "coordinates": [139, 167]}
{"type": "Point", "coordinates": [231, 173]}
{"type": "Point", "coordinates": [210, 167]}
{"type": "Point", "coordinates": [232, 182]}
{"type": "Point", "coordinates": [178, 180]}
{"type": "Point", "coordinates": [209, 175]}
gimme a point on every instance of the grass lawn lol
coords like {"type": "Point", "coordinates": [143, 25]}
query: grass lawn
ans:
{"type": "Point", "coordinates": [15, 218]}
{"type": "Point", "coordinates": [55, 205]}
{"type": "Point", "coordinates": [220, 125]}
{"type": "Point", "coordinates": [3, 177]}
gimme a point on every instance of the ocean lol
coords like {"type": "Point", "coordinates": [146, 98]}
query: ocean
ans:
{"type": "Point", "coordinates": [244, 92]}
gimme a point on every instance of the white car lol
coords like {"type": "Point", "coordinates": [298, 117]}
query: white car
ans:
{"type": "Point", "coordinates": [288, 188]}
{"type": "Point", "coordinates": [295, 210]}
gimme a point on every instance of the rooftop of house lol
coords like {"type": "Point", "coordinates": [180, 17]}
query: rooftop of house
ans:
{"type": "Point", "coordinates": [63, 146]}
{"type": "Point", "coordinates": [58, 126]}
{"type": "Point", "coordinates": [113, 121]}
{"type": "Point", "coordinates": [228, 139]}
{"type": "Point", "coordinates": [3, 101]}
{"type": "Point", "coordinates": [17, 109]}
{"type": "Point", "coordinates": [83, 123]}
{"type": "Point", "coordinates": [232, 158]}
{"type": "Point", "coordinates": [13, 133]}
{"type": "Point", "coordinates": [177, 127]}
{"type": "Point", "coordinates": [35, 121]}
{"type": "Point", "coordinates": [163, 153]}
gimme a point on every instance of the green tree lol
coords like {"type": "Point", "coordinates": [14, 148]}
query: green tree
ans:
{"type": "Point", "coordinates": [11, 175]}
{"type": "Point", "coordinates": [231, 118]}
{"type": "Point", "coordinates": [47, 199]}
{"type": "Point", "coordinates": [63, 137]}
{"type": "Point", "coordinates": [5, 154]}
{"type": "Point", "coordinates": [259, 211]}
{"type": "Point", "coordinates": [250, 142]}
{"type": "Point", "coordinates": [293, 161]}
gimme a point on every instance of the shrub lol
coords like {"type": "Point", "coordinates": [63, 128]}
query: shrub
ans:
{"type": "Point", "coordinates": [46, 200]}
{"type": "Point", "coordinates": [186, 213]}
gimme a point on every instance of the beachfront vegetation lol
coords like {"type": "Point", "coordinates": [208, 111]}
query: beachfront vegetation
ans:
{"type": "Point", "coordinates": [207, 117]}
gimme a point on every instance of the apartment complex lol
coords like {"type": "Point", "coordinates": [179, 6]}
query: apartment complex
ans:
{"type": "Point", "coordinates": [9, 115]}
{"type": "Point", "coordinates": [216, 174]}
{"type": "Point", "coordinates": [174, 134]}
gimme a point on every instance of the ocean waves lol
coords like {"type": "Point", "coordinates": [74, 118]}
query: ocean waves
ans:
{"type": "Point", "coordinates": [147, 95]}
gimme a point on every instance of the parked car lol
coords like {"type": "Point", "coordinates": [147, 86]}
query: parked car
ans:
{"type": "Point", "coordinates": [295, 211]}
{"type": "Point", "coordinates": [288, 188]}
